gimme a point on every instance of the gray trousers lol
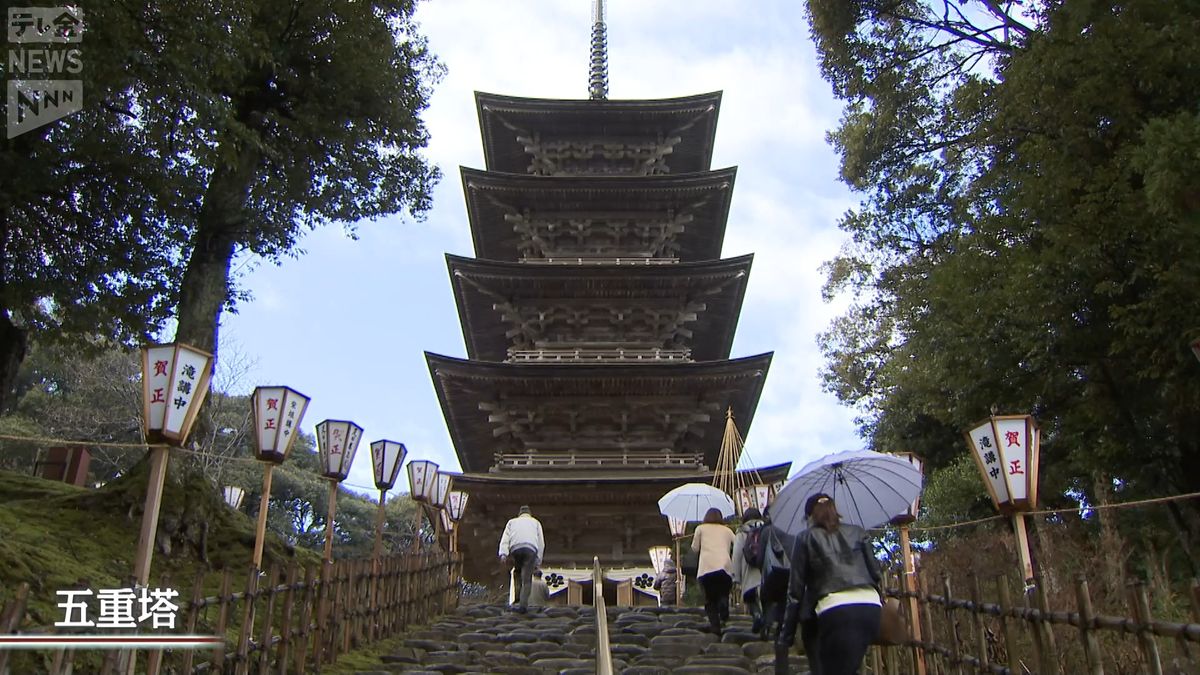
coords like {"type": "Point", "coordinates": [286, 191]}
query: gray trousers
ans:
{"type": "Point", "coordinates": [524, 559]}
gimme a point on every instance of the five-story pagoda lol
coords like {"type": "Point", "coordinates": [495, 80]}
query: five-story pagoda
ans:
{"type": "Point", "coordinates": [598, 317]}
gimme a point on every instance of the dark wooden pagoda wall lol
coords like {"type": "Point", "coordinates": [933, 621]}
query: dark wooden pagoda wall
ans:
{"type": "Point", "coordinates": [593, 185]}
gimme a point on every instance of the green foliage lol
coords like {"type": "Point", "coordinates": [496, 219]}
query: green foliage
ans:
{"type": "Point", "coordinates": [209, 130]}
{"type": "Point", "coordinates": [954, 494]}
{"type": "Point", "coordinates": [1028, 238]}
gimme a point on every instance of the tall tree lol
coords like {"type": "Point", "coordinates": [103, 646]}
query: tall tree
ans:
{"type": "Point", "coordinates": [86, 211]}
{"type": "Point", "coordinates": [1029, 236]}
{"type": "Point", "coordinates": [209, 130]}
{"type": "Point", "coordinates": [293, 115]}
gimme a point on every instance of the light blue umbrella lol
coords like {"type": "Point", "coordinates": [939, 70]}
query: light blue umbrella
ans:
{"type": "Point", "coordinates": [869, 488]}
{"type": "Point", "coordinates": [692, 500]}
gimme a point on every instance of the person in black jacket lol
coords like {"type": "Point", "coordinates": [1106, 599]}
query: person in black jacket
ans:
{"type": "Point", "coordinates": [835, 577]}
{"type": "Point", "coordinates": [776, 573]}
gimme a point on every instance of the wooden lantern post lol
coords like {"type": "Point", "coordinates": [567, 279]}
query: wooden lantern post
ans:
{"type": "Point", "coordinates": [175, 379]}
{"type": "Point", "coordinates": [386, 458]}
{"type": "Point", "coordinates": [907, 582]}
{"type": "Point", "coordinates": [337, 441]}
{"type": "Point", "coordinates": [277, 413]}
{"type": "Point", "coordinates": [1006, 449]}
{"type": "Point", "coordinates": [422, 481]}
{"type": "Point", "coordinates": [678, 530]}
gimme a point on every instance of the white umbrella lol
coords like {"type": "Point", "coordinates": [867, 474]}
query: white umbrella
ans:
{"type": "Point", "coordinates": [869, 488]}
{"type": "Point", "coordinates": [692, 500]}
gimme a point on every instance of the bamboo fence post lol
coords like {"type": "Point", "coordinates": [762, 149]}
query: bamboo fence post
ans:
{"type": "Point", "coordinates": [398, 593]}
{"type": "Point", "coordinates": [357, 602]}
{"type": "Point", "coordinates": [1196, 600]}
{"type": "Point", "coordinates": [1087, 634]}
{"type": "Point", "coordinates": [106, 668]}
{"type": "Point", "coordinates": [362, 634]}
{"type": "Point", "coordinates": [341, 619]}
{"type": "Point", "coordinates": [64, 662]}
{"type": "Point", "coordinates": [333, 637]}
{"type": "Point", "coordinates": [908, 585]}
{"type": "Point", "coordinates": [1140, 604]}
{"type": "Point", "coordinates": [192, 617]}
{"type": "Point", "coordinates": [952, 625]}
{"type": "Point", "coordinates": [321, 601]}
{"type": "Point", "coordinates": [934, 659]}
{"type": "Point", "coordinates": [155, 657]}
{"type": "Point", "coordinates": [347, 612]}
{"type": "Point", "coordinates": [10, 620]}
{"type": "Point", "coordinates": [379, 613]}
{"type": "Point", "coordinates": [268, 621]}
{"type": "Point", "coordinates": [406, 591]}
{"type": "Point", "coordinates": [385, 600]}
{"type": "Point", "coordinates": [977, 623]}
{"type": "Point", "coordinates": [285, 629]}
{"type": "Point", "coordinates": [1049, 661]}
{"type": "Point", "coordinates": [1032, 624]}
{"type": "Point", "coordinates": [307, 599]}
{"type": "Point", "coordinates": [247, 627]}
{"type": "Point", "coordinates": [1006, 620]}
{"type": "Point", "coordinates": [223, 600]}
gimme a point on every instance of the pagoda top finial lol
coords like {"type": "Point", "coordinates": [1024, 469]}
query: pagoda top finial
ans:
{"type": "Point", "coordinates": [598, 72]}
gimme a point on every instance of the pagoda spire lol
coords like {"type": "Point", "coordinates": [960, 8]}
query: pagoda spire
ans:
{"type": "Point", "coordinates": [598, 72]}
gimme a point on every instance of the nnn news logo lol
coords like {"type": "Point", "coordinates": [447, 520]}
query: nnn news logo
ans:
{"type": "Point", "coordinates": [38, 92]}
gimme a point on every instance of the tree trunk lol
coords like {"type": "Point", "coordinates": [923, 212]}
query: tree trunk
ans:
{"type": "Point", "coordinates": [205, 289]}
{"type": "Point", "coordinates": [14, 343]}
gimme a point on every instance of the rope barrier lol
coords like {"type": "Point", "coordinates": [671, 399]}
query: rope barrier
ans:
{"type": "Point", "coordinates": [147, 446]}
{"type": "Point", "coordinates": [1077, 509]}
{"type": "Point", "coordinates": [931, 528]}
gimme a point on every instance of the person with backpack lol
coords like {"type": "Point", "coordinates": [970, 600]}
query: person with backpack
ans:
{"type": "Point", "coordinates": [776, 573]}
{"type": "Point", "coordinates": [747, 563]}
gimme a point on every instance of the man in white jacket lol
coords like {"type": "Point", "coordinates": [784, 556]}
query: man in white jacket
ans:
{"type": "Point", "coordinates": [521, 546]}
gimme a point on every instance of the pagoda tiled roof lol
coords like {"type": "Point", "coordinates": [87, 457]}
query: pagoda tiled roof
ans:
{"type": "Point", "coordinates": [487, 291]}
{"type": "Point", "coordinates": [693, 119]}
{"type": "Point", "coordinates": [704, 197]}
{"type": "Point", "coordinates": [467, 389]}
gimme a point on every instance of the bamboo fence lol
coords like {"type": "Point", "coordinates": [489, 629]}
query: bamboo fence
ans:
{"type": "Point", "coordinates": [290, 619]}
{"type": "Point", "coordinates": [1019, 633]}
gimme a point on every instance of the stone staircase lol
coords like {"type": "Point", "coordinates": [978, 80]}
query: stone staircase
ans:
{"type": "Point", "coordinates": [645, 641]}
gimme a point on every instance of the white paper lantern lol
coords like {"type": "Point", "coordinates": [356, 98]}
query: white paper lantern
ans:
{"type": "Point", "coordinates": [743, 498]}
{"type": "Point", "coordinates": [233, 496]}
{"type": "Point", "coordinates": [337, 441]}
{"type": "Point", "coordinates": [914, 508]}
{"type": "Point", "coordinates": [678, 526]}
{"type": "Point", "coordinates": [387, 457]}
{"type": "Point", "coordinates": [175, 381]}
{"type": "Point", "coordinates": [1006, 449]}
{"type": "Point", "coordinates": [456, 504]}
{"type": "Point", "coordinates": [763, 496]}
{"type": "Point", "coordinates": [441, 489]}
{"type": "Point", "coordinates": [422, 479]}
{"type": "Point", "coordinates": [277, 412]}
{"type": "Point", "coordinates": [658, 557]}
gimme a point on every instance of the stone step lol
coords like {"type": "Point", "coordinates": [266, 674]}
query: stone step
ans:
{"type": "Point", "coordinates": [644, 641]}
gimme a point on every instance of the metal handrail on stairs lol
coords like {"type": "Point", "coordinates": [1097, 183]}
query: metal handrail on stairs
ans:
{"type": "Point", "coordinates": [604, 664]}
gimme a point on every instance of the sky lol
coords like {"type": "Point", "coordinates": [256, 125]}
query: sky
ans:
{"type": "Point", "coordinates": [348, 321]}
